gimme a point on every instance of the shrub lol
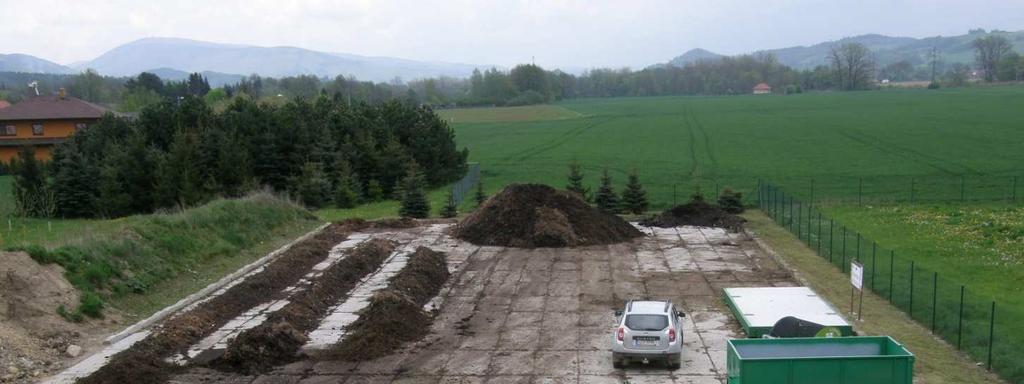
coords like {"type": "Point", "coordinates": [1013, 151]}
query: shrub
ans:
{"type": "Point", "coordinates": [731, 201]}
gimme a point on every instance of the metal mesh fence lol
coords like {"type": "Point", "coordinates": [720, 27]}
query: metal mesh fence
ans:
{"type": "Point", "coordinates": [966, 320]}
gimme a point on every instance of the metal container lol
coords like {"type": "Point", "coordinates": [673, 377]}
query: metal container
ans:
{"type": "Point", "coordinates": [843, 360]}
{"type": "Point", "coordinates": [758, 309]}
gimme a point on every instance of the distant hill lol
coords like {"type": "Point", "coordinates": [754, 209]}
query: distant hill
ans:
{"type": "Point", "coordinates": [887, 49]}
{"type": "Point", "coordinates": [216, 79]}
{"type": "Point", "coordinates": [198, 56]}
{"type": "Point", "coordinates": [17, 62]}
{"type": "Point", "coordinates": [693, 55]}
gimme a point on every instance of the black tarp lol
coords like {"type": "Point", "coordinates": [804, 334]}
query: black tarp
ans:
{"type": "Point", "coordinates": [790, 326]}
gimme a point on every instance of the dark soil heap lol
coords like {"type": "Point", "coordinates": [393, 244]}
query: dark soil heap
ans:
{"type": "Point", "coordinates": [534, 215]}
{"type": "Point", "coordinates": [395, 314]}
{"type": "Point", "coordinates": [277, 340]}
{"type": "Point", "coordinates": [697, 213]}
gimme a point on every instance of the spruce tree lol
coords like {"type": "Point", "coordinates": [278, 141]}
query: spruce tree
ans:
{"type": "Point", "coordinates": [414, 198]}
{"type": "Point", "coordinates": [311, 186]}
{"type": "Point", "coordinates": [576, 181]}
{"type": "Point", "coordinates": [634, 197]}
{"type": "Point", "coordinates": [606, 198]}
{"type": "Point", "coordinates": [450, 208]}
{"type": "Point", "coordinates": [480, 196]}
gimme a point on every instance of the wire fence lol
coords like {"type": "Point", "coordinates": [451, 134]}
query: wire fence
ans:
{"type": "Point", "coordinates": [464, 186]}
{"type": "Point", "coordinates": [973, 323]}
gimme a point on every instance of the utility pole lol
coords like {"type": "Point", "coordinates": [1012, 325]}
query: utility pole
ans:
{"type": "Point", "coordinates": [934, 61]}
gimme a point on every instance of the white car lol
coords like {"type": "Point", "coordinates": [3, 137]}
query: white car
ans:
{"type": "Point", "coordinates": [648, 330]}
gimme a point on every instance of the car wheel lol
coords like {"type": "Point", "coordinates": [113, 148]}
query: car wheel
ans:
{"type": "Point", "coordinates": [618, 362]}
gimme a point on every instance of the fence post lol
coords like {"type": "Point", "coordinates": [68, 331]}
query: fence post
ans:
{"type": "Point", "coordinates": [874, 264]}
{"type": "Point", "coordinates": [911, 309]}
{"type": "Point", "coordinates": [1013, 190]}
{"type": "Point", "coordinates": [962, 195]}
{"type": "Point", "coordinates": [892, 272]}
{"type": "Point", "coordinates": [819, 233]}
{"type": "Point", "coordinates": [791, 221]}
{"type": "Point", "coordinates": [809, 222]}
{"type": "Point", "coordinates": [960, 323]}
{"type": "Point", "coordinates": [858, 247]}
{"type": "Point", "coordinates": [799, 215]}
{"type": "Point", "coordinates": [843, 265]}
{"type": "Point", "coordinates": [935, 297]}
{"type": "Point", "coordinates": [811, 202]}
{"type": "Point", "coordinates": [991, 333]}
{"type": "Point", "coordinates": [831, 227]}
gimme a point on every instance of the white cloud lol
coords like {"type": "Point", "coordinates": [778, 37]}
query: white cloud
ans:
{"type": "Point", "coordinates": [557, 32]}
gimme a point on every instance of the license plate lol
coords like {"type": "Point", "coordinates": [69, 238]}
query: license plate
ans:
{"type": "Point", "coordinates": [642, 342]}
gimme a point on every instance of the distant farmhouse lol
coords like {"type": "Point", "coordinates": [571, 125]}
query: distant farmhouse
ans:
{"type": "Point", "coordinates": [4, 104]}
{"type": "Point", "coordinates": [762, 89]}
{"type": "Point", "coordinates": [43, 122]}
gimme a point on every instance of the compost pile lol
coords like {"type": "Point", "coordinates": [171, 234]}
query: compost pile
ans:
{"type": "Point", "coordinates": [696, 213]}
{"type": "Point", "coordinates": [395, 314]}
{"type": "Point", "coordinates": [533, 215]}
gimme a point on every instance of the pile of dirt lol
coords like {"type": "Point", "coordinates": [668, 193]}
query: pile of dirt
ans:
{"type": "Point", "coordinates": [144, 362]}
{"type": "Point", "coordinates": [277, 340]}
{"type": "Point", "coordinates": [395, 315]}
{"type": "Point", "coordinates": [534, 215]}
{"type": "Point", "coordinates": [696, 213]}
{"type": "Point", "coordinates": [33, 337]}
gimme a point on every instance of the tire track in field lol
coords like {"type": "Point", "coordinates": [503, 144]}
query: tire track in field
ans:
{"type": "Point", "coordinates": [935, 162]}
{"type": "Point", "coordinates": [694, 164]}
{"type": "Point", "coordinates": [707, 141]}
{"type": "Point", "coordinates": [564, 138]}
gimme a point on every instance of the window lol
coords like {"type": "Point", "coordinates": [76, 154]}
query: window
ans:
{"type": "Point", "coordinates": [37, 129]}
{"type": "Point", "coordinates": [646, 322]}
{"type": "Point", "coordinates": [80, 126]}
{"type": "Point", "coordinates": [10, 130]}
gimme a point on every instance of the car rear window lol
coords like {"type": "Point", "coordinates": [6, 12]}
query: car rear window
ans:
{"type": "Point", "coordinates": [646, 322]}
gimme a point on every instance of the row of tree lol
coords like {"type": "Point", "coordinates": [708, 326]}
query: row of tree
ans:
{"type": "Point", "coordinates": [182, 153]}
{"type": "Point", "coordinates": [632, 200]}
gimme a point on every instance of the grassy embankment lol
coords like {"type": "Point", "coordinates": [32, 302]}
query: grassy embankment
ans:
{"type": "Point", "coordinates": [937, 361]}
{"type": "Point", "coordinates": [142, 263]}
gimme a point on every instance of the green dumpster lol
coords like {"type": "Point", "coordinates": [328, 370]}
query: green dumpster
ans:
{"type": "Point", "coordinates": [842, 360]}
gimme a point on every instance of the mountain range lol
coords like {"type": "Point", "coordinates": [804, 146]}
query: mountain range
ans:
{"type": "Point", "coordinates": [173, 56]}
{"type": "Point", "coordinates": [887, 50]}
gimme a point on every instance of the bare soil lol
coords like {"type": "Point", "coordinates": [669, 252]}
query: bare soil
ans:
{"type": "Point", "coordinates": [696, 213]}
{"type": "Point", "coordinates": [395, 315]}
{"type": "Point", "coordinates": [534, 215]}
{"type": "Point", "coordinates": [277, 341]}
{"type": "Point", "coordinates": [33, 337]}
{"type": "Point", "coordinates": [144, 362]}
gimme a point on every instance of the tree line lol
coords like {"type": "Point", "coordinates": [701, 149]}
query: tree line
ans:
{"type": "Point", "coordinates": [180, 153]}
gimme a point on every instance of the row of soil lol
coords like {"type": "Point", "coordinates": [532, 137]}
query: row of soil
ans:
{"type": "Point", "coordinates": [395, 314]}
{"type": "Point", "coordinates": [277, 340]}
{"type": "Point", "coordinates": [145, 361]}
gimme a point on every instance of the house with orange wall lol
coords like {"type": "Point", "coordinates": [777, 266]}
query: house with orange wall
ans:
{"type": "Point", "coordinates": [43, 122]}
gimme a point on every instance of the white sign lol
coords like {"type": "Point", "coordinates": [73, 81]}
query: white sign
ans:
{"type": "Point", "coordinates": [857, 275]}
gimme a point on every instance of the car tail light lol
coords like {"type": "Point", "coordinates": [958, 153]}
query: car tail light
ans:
{"type": "Point", "coordinates": [671, 335]}
{"type": "Point", "coordinates": [621, 334]}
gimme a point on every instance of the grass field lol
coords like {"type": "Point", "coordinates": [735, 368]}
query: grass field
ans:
{"type": "Point", "coordinates": [834, 138]}
{"type": "Point", "coordinates": [978, 246]}
{"type": "Point", "coordinates": [508, 114]}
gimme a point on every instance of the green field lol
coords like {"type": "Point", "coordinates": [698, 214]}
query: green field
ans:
{"type": "Point", "coordinates": [507, 114]}
{"type": "Point", "coordinates": [833, 138]}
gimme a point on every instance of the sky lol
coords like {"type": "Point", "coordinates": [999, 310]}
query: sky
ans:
{"type": "Point", "coordinates": [553, 33]}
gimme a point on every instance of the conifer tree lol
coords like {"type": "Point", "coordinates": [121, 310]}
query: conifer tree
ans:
{"type": "Point", "coordinates": [480, 196]}
{"type": "Point", "coordinates": [450, 208]}
{"type": "Point", "coordinates": [414, 198]}
{"type": "Point", "coordinates": [634, 197]}
{"type": "Point", "coordinates": [576, 181]}
{"type": "Point", "coordinates": [29, 183]}
{"type": "Point", "coordinates": [606, 198]}
{"type": "Point", "coordinates": [311, 186]}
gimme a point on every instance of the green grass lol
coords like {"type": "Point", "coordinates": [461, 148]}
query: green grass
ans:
{"type": "Point", "coordinates": [141, 263]}
{"type": "Point", "coordinates": [507, 114]}
{"type": "Point", "coordinates": [978, 246]}
{"type": "Point", "coordinates": [936, 362]}
{"type": "Point", "coordinates": [836, 138]}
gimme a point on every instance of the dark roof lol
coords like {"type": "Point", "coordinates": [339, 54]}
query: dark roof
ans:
{"type": "Point", "coordinates": [52, 108]}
